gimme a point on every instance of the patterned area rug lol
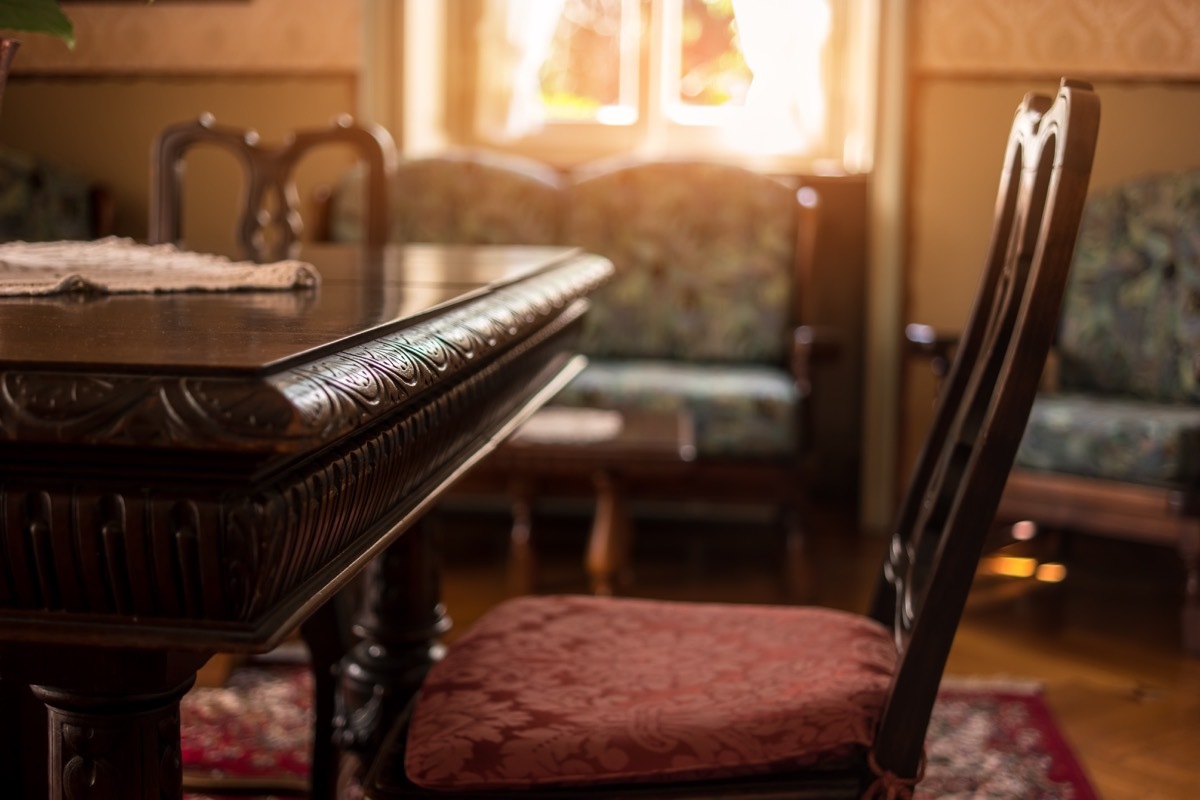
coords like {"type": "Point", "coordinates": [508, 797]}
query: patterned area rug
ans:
{"type": "Point", "coordinates": [988, 740]}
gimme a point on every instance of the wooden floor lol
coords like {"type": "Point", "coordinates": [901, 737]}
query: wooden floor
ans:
{"type": "Point", "coordinates": [1104, 641]}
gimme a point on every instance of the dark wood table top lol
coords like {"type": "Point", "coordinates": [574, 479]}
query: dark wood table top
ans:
{"type": "Point", "coordinates": [195, 469]}
{"type": "Point", "coordinates": [362, 295]}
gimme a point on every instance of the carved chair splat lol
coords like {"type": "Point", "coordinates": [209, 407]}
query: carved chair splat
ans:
{"type": "Point", "coordinates": [269, 221]}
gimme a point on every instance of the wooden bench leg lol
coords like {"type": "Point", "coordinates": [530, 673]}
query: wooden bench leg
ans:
{"type": "Point", "coordinates": [521, 558]}
{"type": "Point", "coordinates": [607, 561]}
{"type": "Point", "coordinates": [1189, 549]}
{"type": "Point", "coordinates": [799, 575]}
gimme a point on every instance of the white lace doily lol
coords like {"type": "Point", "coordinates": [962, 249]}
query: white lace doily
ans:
{"type": "Point", "coordinates": [116, 266]}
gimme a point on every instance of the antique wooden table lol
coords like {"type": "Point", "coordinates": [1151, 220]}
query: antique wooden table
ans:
{"type": "Point", "coordinates": [184, 474]}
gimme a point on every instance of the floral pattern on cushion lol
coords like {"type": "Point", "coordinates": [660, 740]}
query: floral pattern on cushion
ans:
{"type": "Point", "coordinates": [704, 257]}
{"type": "Point", "coordinates": [570, 690]}
{"type": "Point", "coordinates": [742, 411]}
{"type": "Point", "coordinates": [1131, 316]}
{"type": "Point", "coordinates": [1122, 440]}
{"type": "Point", "coordinates": [460, 198]}
{"type": "Point", "coordinates": [41, 202]}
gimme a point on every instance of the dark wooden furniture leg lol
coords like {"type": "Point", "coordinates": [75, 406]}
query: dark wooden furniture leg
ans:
{"type": "Point", "coordinates": [326, 633]}
{"type": "Point", "coordinates": [522, 563]}
{"type": "Point", "coordinates": [611, 537]}
{"type": "Point", "coordinates": [112, 718]}
{"type": "Point", "coordinates": [1189, 550]}
{"type": "Point", "coordinates": [398, 624]}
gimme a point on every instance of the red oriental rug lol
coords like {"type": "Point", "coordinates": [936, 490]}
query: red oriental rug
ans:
{"type": "Point", "coordinates": [987, 740]}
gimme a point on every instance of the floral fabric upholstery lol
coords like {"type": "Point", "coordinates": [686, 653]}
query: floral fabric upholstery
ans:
{"type": "Point", "coordinates": [1131, 317]}
{"type": "Point", "coordinates": [1129, 341]}
{"type": "Point", "coordinates": [41, 202]}
{"type": "Point", "coordinates": [572, 690]}
{"type": "Point", "coordinates": [736, 410]}
{"type": "Point", "coordinates": [698, 316]}
{"type": "Point", "coordinates": [461, 198]}
{"type": "Point", "coordinates": [1113, 438]}
{"type": "Point", "coordinates": [704, 257]}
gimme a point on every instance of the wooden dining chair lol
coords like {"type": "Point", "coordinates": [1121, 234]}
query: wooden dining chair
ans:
{"type": "Point", "coordinates": [269, 220]}
{"type": "Point", "coordinates": [565, 696]}
{"type": "Point", "coordinates": [269, 229]}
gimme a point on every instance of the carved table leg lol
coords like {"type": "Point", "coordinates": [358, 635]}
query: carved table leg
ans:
{"type": "Point", "coordinates": [113, 720]}
{"type": "Point", "coordinates": [399, 623]}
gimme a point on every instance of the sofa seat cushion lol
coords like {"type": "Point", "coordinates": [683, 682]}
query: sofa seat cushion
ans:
{"type": "Point", "coordinates": [741, 411]}
{"type": "Point", "coordinates": [1117, 439]}
{"type": "Point", "coordinates": [566, 690]}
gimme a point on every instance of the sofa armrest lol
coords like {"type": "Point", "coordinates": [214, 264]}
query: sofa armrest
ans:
{"type": "Point", "coordinates": [937, 346]}
{"type": "Point", "coordinates": [811, 345]}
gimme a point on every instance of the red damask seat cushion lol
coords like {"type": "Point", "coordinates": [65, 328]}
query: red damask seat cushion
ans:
{"type": "Point", "coordinates": [583, 690]}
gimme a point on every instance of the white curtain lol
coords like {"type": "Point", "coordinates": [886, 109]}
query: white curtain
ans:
{"type": "Point", "coordinates": [515, 40]}
{"type": "Point", "coordinates": [782, 42]}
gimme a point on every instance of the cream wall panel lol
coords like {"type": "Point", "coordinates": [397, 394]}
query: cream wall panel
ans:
{"type": "Point", "coordinates": [104, 128]}
{"type": "Point", "coordinates": [202, 38]}
{"type": "Point", "coordinates": [1088, 38]}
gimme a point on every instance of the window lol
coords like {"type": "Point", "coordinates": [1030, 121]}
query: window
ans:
{"type": "Point", "coordinates": [566, 80]}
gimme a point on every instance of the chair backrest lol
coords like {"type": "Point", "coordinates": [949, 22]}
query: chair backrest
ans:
{"type": "Point", "coordinates": [460, 197]}
{"type": "Point", "coordinates": [269, 222]}
{"type": "Point", "coordinates": [958, 479]}
{"type": "Point", "coordinates": [1131, 317]}
{"type": "Point", "coordinates": [708, 260]}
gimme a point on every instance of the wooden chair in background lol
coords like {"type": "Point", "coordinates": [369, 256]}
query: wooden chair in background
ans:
{"type": "Point", "coordinates": [269, 228]}
{"type": "Point", "coordinates": [564, 697]}
{"type": "Point", "coordinates": [269, 222]}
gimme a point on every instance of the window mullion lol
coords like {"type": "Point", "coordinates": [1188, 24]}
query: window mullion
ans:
{"type": "Point", "coordinates": [658, 56]}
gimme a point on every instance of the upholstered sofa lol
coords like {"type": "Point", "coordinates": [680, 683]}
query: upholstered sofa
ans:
{"type": "Point", "coordinates": [41, 201]}
{"type": "Point", "coordinates": [1112, 446]}
{"type": "Point", "coordinates": [704, 315]}
{"type": "Point", "coordinates": [461, 196]}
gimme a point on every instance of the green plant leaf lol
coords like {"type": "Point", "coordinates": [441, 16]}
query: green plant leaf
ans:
{"type": "Point", "coordinates": [37, 16]}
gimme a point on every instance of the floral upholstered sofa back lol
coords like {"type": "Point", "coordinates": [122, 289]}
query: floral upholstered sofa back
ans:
{"type": "Point", "coordinates": [40, 201]}
{"type": "Point", "coordinates": [1127, 401]}
{"type": "Point", "coordinates": [704, 255]}
{"type": "Point", "coordinates": [1131, 319]}
{"type": "Point", "coordinates": [461, 197]}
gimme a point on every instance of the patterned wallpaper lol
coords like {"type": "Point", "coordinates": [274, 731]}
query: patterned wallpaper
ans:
{"type": "Point", "coordinates": [1088, 38]}
{"type": "Point", "coordinates": [202, 37]}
